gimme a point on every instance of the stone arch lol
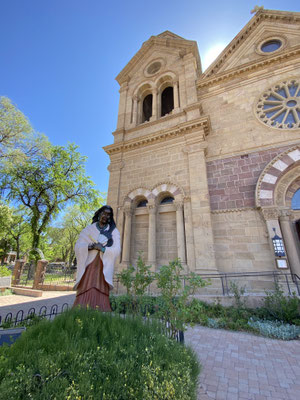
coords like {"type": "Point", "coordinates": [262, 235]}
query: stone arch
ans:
{"type": "Point", "coordinates": [277, 177]}
{"type": "Point", "coordinates": [291, 190]}
{"type": "Point", "coordinates": [167, 188]}
{"type": "Point", "coordinates": [137, 193]}
{"type": "Point", "coordinates": [143, 89]}
{"type": "Point", "coordinates": [165, 80]}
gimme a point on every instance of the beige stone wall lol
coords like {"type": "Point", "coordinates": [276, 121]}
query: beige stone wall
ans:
{"type": "Point", "coordinates": [139, 243]}
{"type": "Point", "coordinates": [166, 240]}
{"type": "Point", "coordinates": [151, 165]}
{"type": "Point", "coordinates": [235, 127]}
{"type": "Point", "coordinates": [241, 242]}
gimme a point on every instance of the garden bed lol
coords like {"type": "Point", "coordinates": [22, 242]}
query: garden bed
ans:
{"type": "Point", "coordinates": [84, 354]}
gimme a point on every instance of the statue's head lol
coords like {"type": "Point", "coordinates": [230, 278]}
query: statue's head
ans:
{"type": "Point", "coordinates": [105, 215]}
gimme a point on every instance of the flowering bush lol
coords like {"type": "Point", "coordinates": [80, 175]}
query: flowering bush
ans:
{"type": "Point", "coordinates": [86, 355]}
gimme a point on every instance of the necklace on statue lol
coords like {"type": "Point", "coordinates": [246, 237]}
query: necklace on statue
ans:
{"type": "Point", "coordinates": [101, 228]}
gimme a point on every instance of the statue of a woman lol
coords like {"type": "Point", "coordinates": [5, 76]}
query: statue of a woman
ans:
{"type": "Point", "coordinates": [96, 251]}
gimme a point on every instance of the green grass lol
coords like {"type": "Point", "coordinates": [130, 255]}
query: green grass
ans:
{"type": "Point", "coordinates": [90, 355]}
{"type": "Point", "coordinates": [6, 292]}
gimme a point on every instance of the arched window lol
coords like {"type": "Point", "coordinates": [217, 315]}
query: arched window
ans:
{"type": "Point", "coordinates": [296, 200]}
{"type": "Point", "coordinates": [147, 108]}
{"type": "Point", "coordinates": [142, 203]}
{"type": "Point", "coordinates": [167, 101]}
{"type": "Point", "coordinates": [167, 200]}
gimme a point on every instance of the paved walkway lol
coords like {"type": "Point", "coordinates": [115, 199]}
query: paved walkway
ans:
{"type": "Point", "coordinates": [14, 303]}
{"type": "Point", "coordinates": [235, 365]}
{"type": "Point", "coordinates": [238, 365]}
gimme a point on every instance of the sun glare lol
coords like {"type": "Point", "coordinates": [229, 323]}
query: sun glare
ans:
{"type": "Point", "coordinates": [211, 54]}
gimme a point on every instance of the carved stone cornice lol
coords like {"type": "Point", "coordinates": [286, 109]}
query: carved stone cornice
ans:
{"type": "Point", "coordinates": [181, 129]}
{"type": "Point", "coordinates": [178, 205]}
{"type": "Point", "coordinates": [285, 215]}
{"type": "Point", "coordinates": [270, 213]}
{"type": "Point", "coordinates": [128, 211]}
{"type": "Point", "coordinates": [245, 68]}
{"type": "Point", "coordinates": [232, 210]}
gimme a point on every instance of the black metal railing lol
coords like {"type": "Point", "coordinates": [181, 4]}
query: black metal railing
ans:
{"type": "Point", "coordinates": [21, 318]}
{"type": "Point", "coordinates": [286, 279]}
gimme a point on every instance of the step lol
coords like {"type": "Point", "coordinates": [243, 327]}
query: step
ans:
{"type": "Point", "coordinates": [27, 292]}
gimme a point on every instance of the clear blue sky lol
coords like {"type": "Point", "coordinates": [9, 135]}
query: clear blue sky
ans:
{"type": "Point", "coordinates": [59, 58]}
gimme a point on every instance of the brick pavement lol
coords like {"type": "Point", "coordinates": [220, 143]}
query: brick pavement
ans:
{"type": "Point", "coordinates": [241, 366]}
{"type": "Point", "coordinates": [235, 365]}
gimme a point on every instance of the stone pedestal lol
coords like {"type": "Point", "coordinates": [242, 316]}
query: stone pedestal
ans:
{"type": "Point", "coordinates": [39, 273]}
{"type": "Point", "coordinates": [17, 272]}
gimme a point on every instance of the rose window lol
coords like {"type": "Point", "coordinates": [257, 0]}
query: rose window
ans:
{"type": "Point", "coordinates": [279, 107]}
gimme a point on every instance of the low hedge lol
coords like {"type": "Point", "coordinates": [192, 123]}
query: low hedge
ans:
{"type": "Point", "coordinates": [84, 354]}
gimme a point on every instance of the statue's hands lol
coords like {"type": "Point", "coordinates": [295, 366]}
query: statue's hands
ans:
{"type": "Point", "coordinates": [96, 246]}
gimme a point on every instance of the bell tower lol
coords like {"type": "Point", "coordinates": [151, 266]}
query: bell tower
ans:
{"type": "Point", "coordinates": [158, 183]}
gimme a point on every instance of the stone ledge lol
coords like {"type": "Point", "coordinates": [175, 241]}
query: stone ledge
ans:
{"type": "Point", "coordinates": [27, 292]}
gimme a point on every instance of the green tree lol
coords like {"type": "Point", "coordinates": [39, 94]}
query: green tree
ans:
{"type": "Point", "coordinates": [45, 182]}
{"type": "Point", "coordinates": [19, 228]}
{"type": "Point", "coordinates": [62, 237]}
{"type": "Point", "coordinates": [17, 137]}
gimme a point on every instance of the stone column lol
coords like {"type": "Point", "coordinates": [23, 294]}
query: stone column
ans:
{"type": "Point", "coordinates": [175, 95]}
{"type": "Point", "coordinates": [152, 235]}
{"type": "Point", "coordinates": [200, 206]}
{"type": "Point", "coordinates": [289, 241]}
{"type": "Point", "coordinates": [18, 268]}
{"type": "Point", "coordinates": [154, 105]}
{"type": "Point", "coordinates": [180, 232]}
{"type": "Point", "coordinates": [189, 235]}
{"type": "Point", "coordinates": [134, 112]}
{"type": "Point", "coordinates": [122, 105]}
{"type": "Point", "coordinates": [127, 234]}
{"type": "Point", "coordinates": [39, 273]}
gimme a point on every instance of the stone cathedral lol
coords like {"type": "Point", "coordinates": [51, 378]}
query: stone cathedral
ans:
{"type": "Point", "coordinates": [205, 166]}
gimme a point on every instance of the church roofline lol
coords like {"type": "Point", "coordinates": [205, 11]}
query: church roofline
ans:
{"type": "Point", "coordinates": [166, 38]}
{"type": "Point", "coordinates": [260, 16]}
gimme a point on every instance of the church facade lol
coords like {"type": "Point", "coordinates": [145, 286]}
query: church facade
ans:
{"type": "Point", "coordinates": [205, 166]}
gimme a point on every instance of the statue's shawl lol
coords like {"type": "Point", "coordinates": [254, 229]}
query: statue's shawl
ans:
{"type": "Point", "coordinates": [84, 257]}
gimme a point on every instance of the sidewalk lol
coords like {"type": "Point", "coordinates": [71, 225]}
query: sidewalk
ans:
{"type": "Point", "coordinates": [235, 365]}
{"type": "Point", "coordinates": [14, 303]}
{"type": "Point", "coordinates": [242, 366]}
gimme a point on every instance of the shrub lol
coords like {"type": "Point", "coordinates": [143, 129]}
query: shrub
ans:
{"type": "Point", "coordinates": [238, 293]}
{"type": "Point", "coordinates": [280, 307]}
{"type": "Point", "coordinates": [174, 307]}
{"type": "Point", "coordinates": [4, 271]}
{"type": "Point", "coordinates": [275, 329]}
{"type": "Point", "coordinates": [85, 354]}
{"type": "Point", "coordinates": [136, 280]}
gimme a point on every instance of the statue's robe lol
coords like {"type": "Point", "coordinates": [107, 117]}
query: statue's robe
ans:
{"type": "Point", "coordinates": [84, 256]}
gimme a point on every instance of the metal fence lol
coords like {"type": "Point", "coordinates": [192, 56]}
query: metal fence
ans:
{"type": "Point", "coordinates": [21, 318]}
{"type": "Point", "coordinates": [59, 275]}
{"type": "Point", "coordinates": [220, 284]}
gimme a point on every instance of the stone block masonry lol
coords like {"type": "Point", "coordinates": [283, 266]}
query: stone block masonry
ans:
{"type": "Point", "coordinates": [232, 181]}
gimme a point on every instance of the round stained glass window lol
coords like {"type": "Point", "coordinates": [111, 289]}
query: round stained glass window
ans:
{"type": "Point", "coordinates": [271, 45]}
{"type": "Point", "coordinates": [279, 107]}
{"type": "Point", "coordinates": [153, 68]}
